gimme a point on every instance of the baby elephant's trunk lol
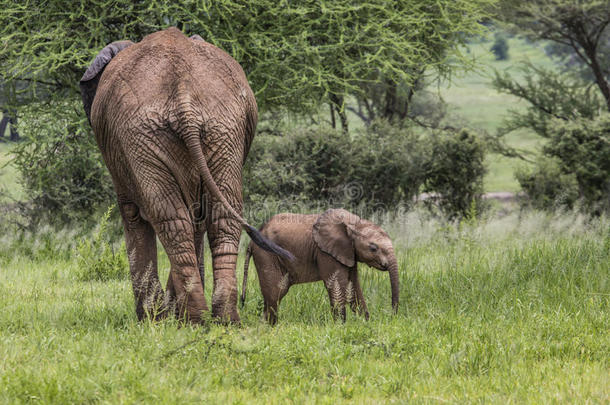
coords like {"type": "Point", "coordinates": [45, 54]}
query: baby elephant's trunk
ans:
{"type": "Point", "coordinates": [245, 281]}
{"type": "Point", "coordinates": [394, 284]}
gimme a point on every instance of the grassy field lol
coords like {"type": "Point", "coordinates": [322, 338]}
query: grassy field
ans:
{"type": "Point", "coordinates": [503, 310]}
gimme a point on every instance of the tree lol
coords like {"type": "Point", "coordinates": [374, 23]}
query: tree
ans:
{"type": "Point", "coordinates": [569, 109]}
{"type": "Point", "coordinates": [298, 55]}
{"type": "Point", "coordinates": [579, 25]}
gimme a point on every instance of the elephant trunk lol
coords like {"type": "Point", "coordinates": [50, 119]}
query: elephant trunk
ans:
{"type": "Point", "coordinates": [393, 271]}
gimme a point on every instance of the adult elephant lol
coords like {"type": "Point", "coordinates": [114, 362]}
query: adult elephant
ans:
{"type": "Point", "coordinates": [174, 118]}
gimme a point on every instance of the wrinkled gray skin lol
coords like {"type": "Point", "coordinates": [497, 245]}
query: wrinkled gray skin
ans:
{"type": "Point", "coordinates": [327, 247]}
{"type": "Point", "coordinates": [174, 119]}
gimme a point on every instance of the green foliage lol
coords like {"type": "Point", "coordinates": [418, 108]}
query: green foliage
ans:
{"type": "Point", "coordinates": [60, 166]}
{"type": "Point", "coordinates": [294, 54]}
{"type": "Point", "coordinates": [571, 116]}
{"type": "Point", "coordinates": [96, 258]}
{"type": "Point", "coordinates": [581, 26]}
{"type": "Point", "coordinates": [582, 147]}
{"type": "Point", "coordinates": [546, 186]}
{"type": "Point", "coordinates": [381, 167]}
{"type": "Point", "coordinates": [500, 46]}
{"type": "Point", "coordinates": [297, 56]}
{"type": "Point", "coordinates": [455, 171]}
{"type": "Point", "coordinates": [305, 163]}
{"type": "Point", "coordinates": [550, 95]}
{"type": "Point", "coordinates": [389, 164]}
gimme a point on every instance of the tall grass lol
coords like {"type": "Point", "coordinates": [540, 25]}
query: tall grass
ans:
{"type": "Point", "coordinates": [503, 310]}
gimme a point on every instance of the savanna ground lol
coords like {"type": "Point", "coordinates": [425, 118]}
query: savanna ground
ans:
{"type": "Point", "coordinates": [507, 308]}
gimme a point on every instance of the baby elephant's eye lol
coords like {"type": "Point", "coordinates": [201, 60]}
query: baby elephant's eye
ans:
{"type": "Point", "coordinates": [373, 247]}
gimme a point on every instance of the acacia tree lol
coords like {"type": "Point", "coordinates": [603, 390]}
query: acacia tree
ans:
{"type": "Point", "coordinates": [578, 25]}
{"type": "Point", "coordinates": [569, 109]}
{"type": "Point", "coordinates": [298, 56]}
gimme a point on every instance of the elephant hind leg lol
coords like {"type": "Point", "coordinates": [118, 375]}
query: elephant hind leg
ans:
{"type": "Point", "coordinates": [171, 221]}
{"type": "Point", "coordinates": [142, 253]}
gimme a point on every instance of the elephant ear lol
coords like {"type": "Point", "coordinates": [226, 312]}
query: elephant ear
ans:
{"type": "Point", "coordinates": [330, 232]}
{"type": "Point", "coordinates": [88, 83]}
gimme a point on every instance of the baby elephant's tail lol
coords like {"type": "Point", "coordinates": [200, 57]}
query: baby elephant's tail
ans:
{"type": "Point", "coordinates": [245, 281]}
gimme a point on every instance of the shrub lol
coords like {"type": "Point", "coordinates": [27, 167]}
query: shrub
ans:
{"type": "Point", "coordinates": [303, 164]}
{"type": "Point", "coordinates": [96, 258]}
{"type": "Point", "coordinates": [582, 147]}
{"type": "Point", "coordinates": [388, 164]}
{"type": "Point", "coordinates": [546, 186]}
{"type": "Point", "coordinates": [455, 170]}
{"type": "Point", "coordinates": [377, 168]}
{"type": "Point", "coordinates": [569, 114]}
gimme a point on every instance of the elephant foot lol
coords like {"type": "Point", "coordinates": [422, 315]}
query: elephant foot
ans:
{"type": "Point", "coordinates": [224, 305]}
{"type": "Point", "coordinates": [225, 316]}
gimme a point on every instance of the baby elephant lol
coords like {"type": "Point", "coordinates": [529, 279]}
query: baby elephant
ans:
{"type": "Point", "coordinates": [326, 247]}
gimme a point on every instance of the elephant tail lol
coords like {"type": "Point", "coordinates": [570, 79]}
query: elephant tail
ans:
{"type": "Point", "coordinates": [193, 144]}
{"type": "Point", "coordinates": [244, 283]}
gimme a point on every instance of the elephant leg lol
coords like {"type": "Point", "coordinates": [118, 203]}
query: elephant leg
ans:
{"type": "Point", "coordinates": [223, 235]}
{"type": "Point", "coordinates": [355, 296]}
{"type": "Point", "coordinates": [142, 253]}
{"type": "Point", "coordinates": [274, 282]}
{"type": "Point", "coordinates": [200, 251]}
{"type": "Point", "coordinates": [336, 282]}
{"type": "Point", "coordinates": [171, 220]}
{"type": "Point", "coordinates": [275, 289]}
{"type": "Point", "coordinates": [224, 232]}
{"type": "Point", "coordinates": [272, 298]}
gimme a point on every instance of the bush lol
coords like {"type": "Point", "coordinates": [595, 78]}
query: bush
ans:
{"type": "Point", "coordinates": [455, 170]}
{"type": "Point", "coordinates": [306, 164]}
{"type": "Point", "coordinates": [377, 168]}
{"type": "Point", "coordinates": [582, 147]}
{"type": "Point", "coordinates": [569, 114]}
{"type": "Point", "coordinates": [96, 258]}
{"type": "Point", "coordinates": [546, 186]}
{"type": "Point", "coordinates": [388, 164]}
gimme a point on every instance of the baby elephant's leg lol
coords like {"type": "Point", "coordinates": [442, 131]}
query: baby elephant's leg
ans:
{"type": "Point", "coordinates": [336, 282]}
{"type": "Point", "coordinates": [355, 296]}
{"type": "Point", "coordinates": [274, 283]}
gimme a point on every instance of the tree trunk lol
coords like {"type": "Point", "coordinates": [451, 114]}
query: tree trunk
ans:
{"type": "Point", "coordinates": [338, 106]}
{"type": "Point", "coordinates": [14, 133]}
{"type": "Point", "coordinates": [9, 116]}
{"type": "Point", "coordinates": [390, 100]}
{"type": "Point", "coordinates": [332, 116]}
{"type": "Point", "coordinates": [600, 79]}
{"type": "Point", "coordinates": [3, 125]}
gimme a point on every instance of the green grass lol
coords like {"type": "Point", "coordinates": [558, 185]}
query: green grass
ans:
{"type": "Point", "coordinates": [507, 310]}
{"type": "Point", "coordinates": [472, 97]}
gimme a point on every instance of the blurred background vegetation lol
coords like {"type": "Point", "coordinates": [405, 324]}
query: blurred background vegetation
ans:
{"type": "Point", "coordinates": [364, 105]}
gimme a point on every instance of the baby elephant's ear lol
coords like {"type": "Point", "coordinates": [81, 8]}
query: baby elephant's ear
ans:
{"type": "Point", "coordinates": [88, 83]}
{"type": "Point", "coordinates": [331, 236]}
